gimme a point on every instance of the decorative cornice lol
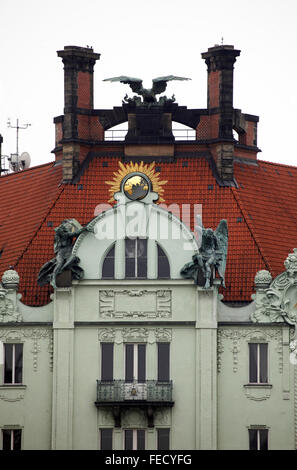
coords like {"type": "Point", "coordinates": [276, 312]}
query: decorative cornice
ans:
{"type": "Point", "coordinates": [135, 335]}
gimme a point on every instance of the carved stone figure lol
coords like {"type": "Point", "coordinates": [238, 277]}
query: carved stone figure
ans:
{"type": "Point", "coordinates": [278, 301]}
{"type": "Point", "coordinates": [63, 243]}
{"type": "Point", "coordinates": [8, 308]}
{"type": "Point", "coordinates": [148, 94]}
{"type": "Point", "coordinates": [212, 255]}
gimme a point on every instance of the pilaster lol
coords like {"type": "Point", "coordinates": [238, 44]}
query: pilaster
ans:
{"type": "Point", "coordinates": [206, 367]}
{"type": "Point", "coordinates": [62, 405]}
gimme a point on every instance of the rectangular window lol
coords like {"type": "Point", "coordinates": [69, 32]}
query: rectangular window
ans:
{"type": "Point", "coordinates": [136, 258]}
{"type": "Point", "coordinates": [135, 363]}
{"type": "Point", "coordinates": [163, 438]}
{"type": "Point", "coordinates": [11, 439]}
{"type": "Point", "coordinates": [258, 363]}
{"type": "Point", "coordinates": [258, 439]}
{"type": "Point", "coordinates": [106, 439]}
{"type": "Point", "coordinates": [13, 363]}
{"type": "Point", "coordinates": [163, 362]}
{"type": "Point", "coordinates": [107, 362]}
{"type": "Point", "coordinates": [134, 439]}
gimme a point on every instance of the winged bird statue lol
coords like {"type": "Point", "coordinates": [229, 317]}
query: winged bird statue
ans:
{"type": "Point", "coordinates": [211, 255]}
{"type": "Point", "coordinates": [148, 94]}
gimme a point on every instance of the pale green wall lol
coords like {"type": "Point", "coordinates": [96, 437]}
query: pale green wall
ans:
{"type": "Point", "coordinates": [29, 406]}
{"type": "Point", "coordinates": [240, 406]}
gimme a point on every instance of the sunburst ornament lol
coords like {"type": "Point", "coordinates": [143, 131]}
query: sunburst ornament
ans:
{"type": "Point", "coordinates": [141, 185]}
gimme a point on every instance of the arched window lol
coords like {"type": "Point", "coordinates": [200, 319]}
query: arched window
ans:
{"type": "Point", "coordinates": [108, 264]}
{"type": "Point", "coordinates": [163, 265]}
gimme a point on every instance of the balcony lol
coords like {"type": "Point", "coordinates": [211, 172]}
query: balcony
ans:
{"type": "Point", "coordinates": [119, 394]}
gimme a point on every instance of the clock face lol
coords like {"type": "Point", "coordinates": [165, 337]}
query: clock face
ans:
{"type": "Point", "coordinates": [136, 187]}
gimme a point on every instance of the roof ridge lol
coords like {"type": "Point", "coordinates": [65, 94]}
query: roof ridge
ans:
{"type": "Point", "coordinates": [277, 164]}
{"type": "Point", "coordinates": [251, 228]}
{"type": "Point", "coordinates": [40, 225]}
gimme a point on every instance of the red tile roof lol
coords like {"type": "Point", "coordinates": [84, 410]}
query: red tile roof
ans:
{"type": "Point", "coordinates": [261, 215]}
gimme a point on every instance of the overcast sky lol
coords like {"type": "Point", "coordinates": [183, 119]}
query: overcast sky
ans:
{"type": "Point", "coordinates": [148, 39]}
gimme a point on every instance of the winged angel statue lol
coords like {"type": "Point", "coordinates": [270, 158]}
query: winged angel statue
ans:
{"type": "Point", "coordinates": [148, 94]}
{"type": "Point", "coordinates": [212, 254]}
{"type": "Point", "coordinates": [64, 258]}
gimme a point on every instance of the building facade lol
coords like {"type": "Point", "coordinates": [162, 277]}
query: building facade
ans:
{"type": "Point", "coordinates": [114, 347]}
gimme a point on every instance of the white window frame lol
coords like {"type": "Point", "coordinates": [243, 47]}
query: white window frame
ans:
{"type": "Point", "coordinates": [135, 359]}
{"type": "Point", "coordinates": [12, 430]}
{"type": "Point", "coordinates": [136, 239]}
{"type": "Point", "coordinates": [258, 343]}
{"type": "Point", "coordinates": [13, 382]}
{"type": "Point", "coordinates": [134, 437]}
{"type": "Point", "coordinates": [258, 429]}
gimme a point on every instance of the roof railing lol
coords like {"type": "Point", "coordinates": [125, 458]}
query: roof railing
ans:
{"type": "Point", "coordinates": [179, 134]}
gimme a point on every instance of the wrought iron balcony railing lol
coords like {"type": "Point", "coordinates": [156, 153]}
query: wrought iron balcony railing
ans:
{"type": "Point", "coordinates": [119, 391]}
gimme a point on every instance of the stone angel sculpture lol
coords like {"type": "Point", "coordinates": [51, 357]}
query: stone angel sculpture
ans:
{"type": "Point", "coordinates": [148, 94]}
{"type": "Point", "coordinates": [64, 259]}
{"type": "Point", "coordinates": [212, 254]}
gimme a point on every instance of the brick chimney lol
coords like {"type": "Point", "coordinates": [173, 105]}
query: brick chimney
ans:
{"type": "Point", "coordinates": [76, 127]}
{"type": "Point", "coordinates": [217, 124]}
{"type": "Point", "coordinates": [220, 118]}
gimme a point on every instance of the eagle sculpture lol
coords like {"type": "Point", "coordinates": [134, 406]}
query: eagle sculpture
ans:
{"type": "Point", "coordinates": [148, 94]}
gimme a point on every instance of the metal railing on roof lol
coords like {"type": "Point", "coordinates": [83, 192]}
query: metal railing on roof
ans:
{"type": "Point", "coordinates": [179, 134]}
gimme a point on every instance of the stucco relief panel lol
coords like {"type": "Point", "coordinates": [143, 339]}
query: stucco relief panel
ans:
{"type": "Point", "coordinates": [135, 303]}
{"type": "Point", "coordinates": [135, 335]}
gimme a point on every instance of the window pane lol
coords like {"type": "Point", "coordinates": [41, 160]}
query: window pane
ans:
{"type": "Point", "coordinates": [141, 247]}
{"type": "Point", "coordinates": [18, 363]}
{"type": "Point", "coordinates": [106, 439]}
{"type": "Point", "coordinates": [8, 363]}
{"type": "Point", "coordinates": [129, 372]}
{"type": "Point", "coordinates": [163, 439]}
{"type": "Point", "coordinates": [108, 268]}
{"type": "Point", "coordinates": [142, 258]}
{"type": "Point", "coordinates": [108, 264]}
{"type": "Point", "coordinates": [129, 439]}
{"type": "Point", "coordinates": [163, 265]}
{"type": "Point", "coordinates": [142, 268]}
{"type": "Point", "coordinates": [141, 363]}
{"type": "Point", "coordinates": [163, 362]}
{"type": "Point", "coordinates": [17, 439]}
{"type": "Point", "coordinates": [140, 439]}
{"type": "Point", "coordinates": [130, 268]}
{"type": "Point", "coordinates": [253, 439]}
{"type": "Point", "coordinates": [6, 434]}
{"type": "Point", "coordinates": [130, 247]}
{"type": "Point", "coordinates": [263, 363]}
{"type": "Point", "coordinates": [263, 439]}
{"type": "Point", "coordinates": [107, 361]}
{"type": "Point", "coordinates": [253, 347]}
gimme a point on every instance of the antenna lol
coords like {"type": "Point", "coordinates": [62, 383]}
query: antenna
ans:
{"type": "Point", "coordinates": [18, 162]}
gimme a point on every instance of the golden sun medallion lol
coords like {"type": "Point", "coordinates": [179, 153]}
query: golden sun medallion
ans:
{"type": "Point", "coordinates": [136, 187]}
